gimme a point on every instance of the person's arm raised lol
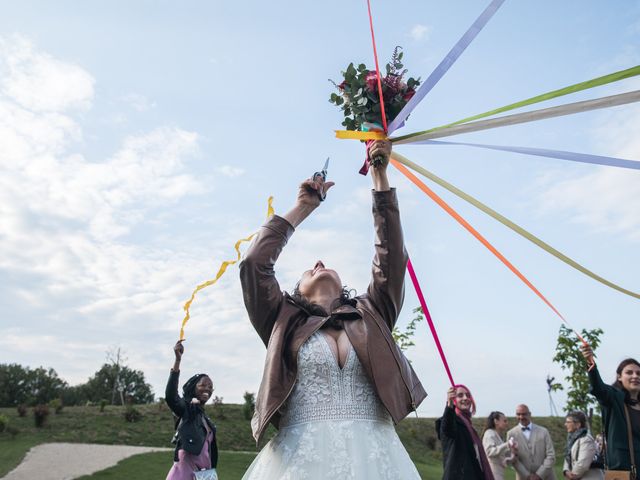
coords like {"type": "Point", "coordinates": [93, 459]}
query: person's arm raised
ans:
{"type": "Point", "coordinates": [308, 200]}
{"type": "Point", "coordinates": [171, 396]}
{"type": "Point", "coordinates": [260, 288]}
{"type": "Point", "coordinates": [386, 289]}
{"type": "Point", "coordinates": [603, 392]}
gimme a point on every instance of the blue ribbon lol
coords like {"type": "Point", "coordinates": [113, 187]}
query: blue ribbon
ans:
{"type": "Point", "coordinates": [543, 152]}
{"type": "Point", "coordinates": [445, 64]}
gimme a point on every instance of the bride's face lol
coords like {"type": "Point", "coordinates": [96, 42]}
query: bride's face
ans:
{"type": "Point", "coordinates": [319, 276]}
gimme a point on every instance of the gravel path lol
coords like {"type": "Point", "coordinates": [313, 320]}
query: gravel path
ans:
{"type": "Point", "coordinates": [65, 461]}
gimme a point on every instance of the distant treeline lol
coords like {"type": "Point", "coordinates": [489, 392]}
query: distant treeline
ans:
{"type": "Point", "coordinates": [112, 384]}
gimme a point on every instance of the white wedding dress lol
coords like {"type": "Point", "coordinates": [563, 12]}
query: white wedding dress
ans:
{"type": "Point", "coordinates": [333, 426]}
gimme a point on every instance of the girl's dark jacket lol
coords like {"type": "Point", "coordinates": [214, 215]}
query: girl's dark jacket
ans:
{"type": "Point", "coordinates": [615, 424]}
{"type": "Point", "coordinates": [191, 433]}
{"type": "Point", "coordinates": [284, 325]}
{"type": "Point", "coordinates": [459, 457]}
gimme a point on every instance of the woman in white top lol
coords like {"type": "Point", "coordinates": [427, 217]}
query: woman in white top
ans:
{"type": "Point", "coordinates": [499, 452]}
{"type": "Point", "coordinates": [580, 451]}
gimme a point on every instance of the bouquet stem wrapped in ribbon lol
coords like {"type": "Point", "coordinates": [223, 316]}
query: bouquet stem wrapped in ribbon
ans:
{"type": "Point", "coordinates": [359, 97]}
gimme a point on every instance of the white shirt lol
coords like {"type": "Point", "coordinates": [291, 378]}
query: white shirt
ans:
{"type": "Point", "coordinates": [527, 432]}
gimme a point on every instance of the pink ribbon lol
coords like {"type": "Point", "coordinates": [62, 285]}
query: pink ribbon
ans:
{"type": "Point", "coordinates": [427, 315]}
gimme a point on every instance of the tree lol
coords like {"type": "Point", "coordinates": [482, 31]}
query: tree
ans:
{"type": "Point", "coordinates": [14, 380]}
{"type": "Point", "coordinates": [116, 357]}
{"type": "Point", "coordinates": [45, 385]}
{"type": "Point", "coordinates": [570, 359]}
{"type": "Point", "coordinates": [249, 405]}
{"type": "Point", "coordinates": [403, 339]}
{"type": "Point", "coordinates": [22, 385]}
{"type": "Point", "coordinates": [131, 384]}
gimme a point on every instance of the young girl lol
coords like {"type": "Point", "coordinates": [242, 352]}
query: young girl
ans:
{"type": "Point", "coordinates": [196, 447]}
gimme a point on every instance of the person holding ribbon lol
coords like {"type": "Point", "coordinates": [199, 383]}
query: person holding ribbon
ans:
{"type": "Point", "coordinates": [463, 456]}
{"type": "Point", "coordinates": [620, 404]}
{"type": "Point", "coordinates": [334, 380]}
{"type": "Point", "coordinates": [196, 452]}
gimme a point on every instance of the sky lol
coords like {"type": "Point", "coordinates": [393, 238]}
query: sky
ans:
{"type": "Point", "coordinates": [140, 140]}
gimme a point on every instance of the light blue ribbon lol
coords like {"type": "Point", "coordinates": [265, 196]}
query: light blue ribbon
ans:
{"type": "Point", "coordinates": [543, 152]}
{"type": "Point", "coordinates": [445, 64]}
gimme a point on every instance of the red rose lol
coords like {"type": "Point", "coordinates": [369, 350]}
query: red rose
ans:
{"type": "Point", "coordinates": [372, 81]}
{"type": "Point", "coordinates": [407, 96]}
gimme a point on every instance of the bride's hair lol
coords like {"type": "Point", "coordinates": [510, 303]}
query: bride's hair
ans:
{"type": "Point", "coordinates": [347, 297]}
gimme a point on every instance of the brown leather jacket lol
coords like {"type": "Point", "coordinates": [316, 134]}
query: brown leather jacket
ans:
{"type": "Point", "coordinates": [284, 325]}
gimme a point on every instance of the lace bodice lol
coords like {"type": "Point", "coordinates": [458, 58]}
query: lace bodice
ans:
{"type": "Point", "coordinates": [324, 391]}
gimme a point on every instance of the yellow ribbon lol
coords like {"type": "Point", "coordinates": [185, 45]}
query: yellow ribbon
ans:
{"type": "Point", "coordinates": [357, 135]}
{"type": "Point", "coordinates": [221, 270]}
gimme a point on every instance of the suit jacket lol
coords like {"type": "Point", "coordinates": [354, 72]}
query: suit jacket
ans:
{"type": "Point", "coordinates": [535, 455]}
{"type": "Point", "coordinates": [582, 453]}
{"type": "Point", "coordinates": [497, 451]}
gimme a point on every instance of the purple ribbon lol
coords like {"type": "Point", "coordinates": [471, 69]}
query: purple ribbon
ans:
{"type": "Point", "coordinates": [543, 152]}
{"type": "Point", "coordinates": [445, 64]}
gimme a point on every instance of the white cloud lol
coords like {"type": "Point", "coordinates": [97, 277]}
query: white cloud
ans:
{"type": "Point", "coordinates": [229, 171]}
{"type": "Point", "coordinates": [67, 232]}
{"type": "Point", "coordinates": [39, 82]}
{"type": "Point", "coordinates": [139, 102]}
{"type": "Point", "coordinates": [607, 199]}
{"type": "Point", "coordinates": [63, 216]}
{"type": "Point", "coordinates": [419, 32]}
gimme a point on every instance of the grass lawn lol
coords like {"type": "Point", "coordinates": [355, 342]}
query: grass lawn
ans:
{"type": "Point", "coordinates": [13, 451]}
{"type": "Point", "coordinates": [154, 466]}
{"type": "Point", "coordinates": [155, 429]}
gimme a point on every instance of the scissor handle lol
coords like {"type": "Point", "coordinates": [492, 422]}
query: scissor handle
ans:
{"type": "Point", "coordinates": [321, 193]}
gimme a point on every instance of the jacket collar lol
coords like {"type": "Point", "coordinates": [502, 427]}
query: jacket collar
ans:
{"type": "Point", "coordinates": [343, 312]}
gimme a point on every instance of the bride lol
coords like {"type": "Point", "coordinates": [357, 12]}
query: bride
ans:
{"type": "Point", "coordinates": [334, 381]}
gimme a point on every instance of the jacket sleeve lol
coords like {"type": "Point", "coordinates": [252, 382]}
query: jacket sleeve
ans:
{"type": "Point", "coordinates": [517, 464]}
{"type": "Point", "coordinates": [520, 468]}
{"type": "Point", "coordinates": [549, 458]}
{"type": "Point", "coordinates": [448, 425]}
{"type": "Point", "coordinates": [603, 392]}
{"type": "Point", "coordinates": [174, 401]}
{"type": "Point", "coordinates": [493, 446]}
{"type": "Point", "coordinates": [586, 450]}
{"type": "Point", "coordinates": [386, 289]}
{"type": "Point", "coordinates": [260, 289]}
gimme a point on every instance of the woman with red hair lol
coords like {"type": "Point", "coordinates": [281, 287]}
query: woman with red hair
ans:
{"type": "Point", "coordinates": [463, 456]}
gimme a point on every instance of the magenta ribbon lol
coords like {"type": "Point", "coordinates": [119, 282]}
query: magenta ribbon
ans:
{"type": "Point", "coordinates": [427, 315]}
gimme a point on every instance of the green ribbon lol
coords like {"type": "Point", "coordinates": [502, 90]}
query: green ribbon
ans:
{"type": "Point", "coordinates": [596, 82]}
{"type": "Point", "coordinates": [508, 223]}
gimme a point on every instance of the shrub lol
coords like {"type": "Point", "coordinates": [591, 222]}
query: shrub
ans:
{"type": "Point", "coordinates": [40, 414]}
{"type": "Point", "coordinates": [22, 410]}
{"type": "Point", "coordinates": [218, 407]}
{"type": "Point", "coordinates": [56, 405]}
{"type": "Point", "coordinates": [4, 421]}
{"type": "Point", "coordinates": [13, 431]}
{"type": "Point", "coordinates": [132, 414]}
{"type": "Point", "coordinates": [249, 405]}
{"type": "Point", "coordinates": [103, 403]}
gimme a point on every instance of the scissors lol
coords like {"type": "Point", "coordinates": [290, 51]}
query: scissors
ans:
{"type": "Point", "coordinates": [323, 174]}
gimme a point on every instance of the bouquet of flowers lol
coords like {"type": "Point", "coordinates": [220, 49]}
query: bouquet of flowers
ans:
{"type": "Point", "coordinates": [358, 93]}
{"type": "Point", "coordinates": [359, 99]}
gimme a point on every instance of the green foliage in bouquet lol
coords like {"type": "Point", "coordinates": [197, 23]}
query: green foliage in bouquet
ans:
{"type": "Point", "coordinates": [358, 93]}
